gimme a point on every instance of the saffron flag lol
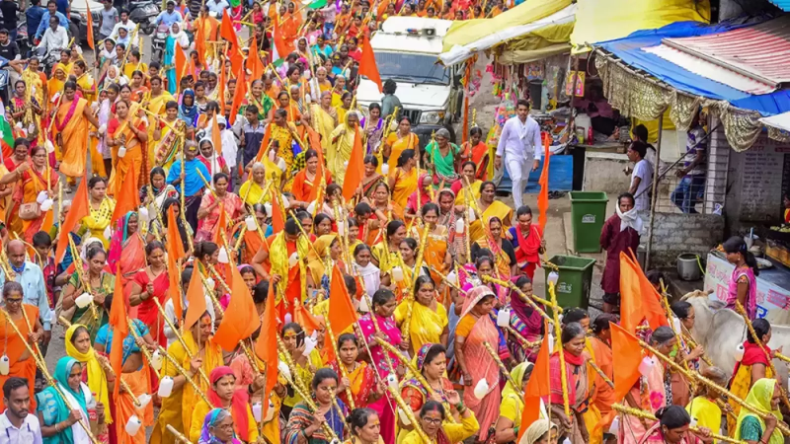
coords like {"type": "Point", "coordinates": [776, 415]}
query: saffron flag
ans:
{"type": "Point", "coordinates": [341, 313]}
{"type": "Point", "coordinates": [79, 209]}
{"type": "Point", "coordinates": [196, 298]}
{"type": "Point", "coordinates": [627, 353]}
{"type": "Point", "coordinates": [241, 319]}
{"type": "Point", "coordinates": [221, 86]}
{"type": "Point", "coordinates": [181, 65]}
{"type": "Point", "coordinates": [266, 345]}
{"type": "Point", "coordinates": [175, 251]}
{"type": "Point", "coordinates": [216, 134]}
{"type": "Point", "coordinates": [91, 43]}
{"type": "Point", "coordinates": [278, 220]}
{"type": "Point", "coordinates": [651, 299]}
{"type": "Point", "coordinates": [538, 385]}
{"type": "Point", "coordinates": [281, 43]}
{"type": "Point", "coordinates": [304, 318]}
{"type": "Point", "coordinates": [367, 64]}
{"type": "Point", "coordinates": [174, 236]}
{"type": "Point", "coordinates": [227, 31]}
{"type": "Point", "coordinates": [200, 42]}
{"type": "Point", "coordinates": [254, 63]}
{"type": "Point", "coordinates": [356, 168]}
{"type": "Point", "coordinates": [543, 197]}
{"type": "Point", "coordinates": [127, 198]}
{"type": "Point", "coordinates": [119, 329]}
{"type": "Point", "coordinates": [222, 224]}
{"type": "Point", "coordinates": [631, 314]}
{"type": "Point", "coordinates": [238, 97]}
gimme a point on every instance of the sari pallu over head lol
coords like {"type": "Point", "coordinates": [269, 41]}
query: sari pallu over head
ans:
{"type": "Point", "coordinates": [54, 409]}
{"type": "Point", "coordinates": [213, 418]}
{"type": "Point", "coordinates": [278, 257]}
{"type": "Point", "coordinates": [238, 402]}
{"type": "Point", "coordinates": [97, 379]}
{"type": "Point", "coordinates": [479, 363]}
{"type": "Point", "coordinates": [760, 398]}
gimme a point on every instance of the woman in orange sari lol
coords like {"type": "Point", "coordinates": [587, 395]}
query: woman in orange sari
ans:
{"type": "Point", "coordinates": [150, 283]}
{"type": "Point", "coordinates": [399, 141]}
{"type": "Point", "coordinates": [253, 239]}
{"type": "Point", "coordinates": [307, 182]}
{"type": "Point", "coordinates": [474, 329]}
{"type": "Point", "coordinates": [291, 107]}
{"type": "Point", "coordinates": [127, 249]}
{"type": "Point", "coordinates": [21, 363]}
{"type": "Point", "coordinates": [71, 131]}
{"type": "Point", "coordinates": [34, 176]}
{"type": "Point", "coordinates": [403, 179]}
{"type": "Point", "coordinates": [127, 135]}
{"type": "Point", "coordinates": [436, 255]}
{"type": "Point", "coordinates": [477, 151]}
{"type": "Point", "coordinates": [371, 179]}
{"type": "Point", "coordinates": [359, 378]}
{"type": "Point", "coordinates": [503, 250]}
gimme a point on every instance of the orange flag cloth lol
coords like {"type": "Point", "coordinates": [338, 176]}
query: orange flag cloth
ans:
{"type": "Point", "coordinates": [174, 241]}
{"type": "Point", "coordinates": [538, 385]}
{"type": "Point", "coordinates": [266, 346]}
{"type": "Point", "coordinates": [126, 199]}
{"type": "Point", "coordinates": [119, 329]}
{"type": "Point", "coordinates": [196, 298]}
{"type": "Point", "coordinates": [543, 197]}
{"type": "Point", "coordinates": [79, 209]}
{"type": "Point", "coordinates": [356, 168]}
{"type": "Point", "coordinates": [238, 97]}
{"type": "Point", "coordinates": [367, 64]}
{"type": "Point", "coordinates": [241, 319]}
{"type": "Point", "coordinates": [342, 313]}
{"type": "Point", "coordinates": [627, 353]}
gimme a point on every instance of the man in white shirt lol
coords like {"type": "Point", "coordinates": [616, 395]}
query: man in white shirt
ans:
{"type": "Point", "coordinates": [217, 6]}
{"type": "Point", "coordinates": [17, 425]}
{"type": "Point", "coordinates": [170, 311]}
{"type": "Point", "coordinates": [520, 144]}
{"type": "Point", "coordinates": [55, 37]}
{"type": "Point", "coordinates": [641, 177]}
{"type": "Point", "coordinates": [126, 24]}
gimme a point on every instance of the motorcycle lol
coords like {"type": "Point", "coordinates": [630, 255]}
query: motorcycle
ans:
{"type": "Point", "coordinates": [47, 59]}
{"type": "Point", "coordinates": [144, 13]}
{"type": "Point", "coordinates": [158, 42]}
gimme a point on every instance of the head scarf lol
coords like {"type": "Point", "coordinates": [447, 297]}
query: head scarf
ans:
{"type": "Point", "coordinates": [760, 398]}
{"type": "Point", "coordinates": [317, 255]}
{"type": "Point", "coordinates": [212, 419]}
{"type": "Point", "coordinates": [424, 194]}
{"type": "Point", "coordinates": [517, 374]}
{"type": "Point", "coordinates": [536, 430]}
{"type": "Point", "coordinates": [238, 402]}
{"type": "Point", "coordinates": [629, 219]}
{"type": "Point", "coordinates": [118, 238]}
{"type": "Point", "coordinates": [97, 379]}
{"type": "Point", "coordinates": [474, 296]}
{"type": "Point", "coordinates": [189, 113]}
{"type": "Point", "coordinates": [214, 167]}
{"type": "Point", "coordinates": [418, 362]}
{"type": "Point", "coordinates": [54, 409]}
{"type": "Point", "coordinates": [524, 311]}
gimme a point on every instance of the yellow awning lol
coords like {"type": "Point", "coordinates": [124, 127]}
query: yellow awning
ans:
{"type": "Point", "coordinates": [467, 37]}
{"type": "Point", "coordinates": [602, 20]}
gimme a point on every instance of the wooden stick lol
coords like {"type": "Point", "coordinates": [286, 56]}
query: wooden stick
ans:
{"type": "Point", "coordinates": [145, 351]}
{"type": "Point", "coordinates": [558, 335]}
{"type": "Point", "coordinates": [641, 414]}
{"type": "Point", "coordinates": [340, 365]}
{"type": "Point", "coordinates": [503, 369]}
{"type": "Point", "coordinates": [184, 372]}
{"type": "Point", "coordinates": [181, 340]}
{"type": "Point", "coordinates": [179, 436]}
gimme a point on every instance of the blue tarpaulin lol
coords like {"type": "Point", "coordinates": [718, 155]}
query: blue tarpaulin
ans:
{"type": "Point", "coordinates": [629, 50]}
{"type": "Point", "coordinates": [560, 176]}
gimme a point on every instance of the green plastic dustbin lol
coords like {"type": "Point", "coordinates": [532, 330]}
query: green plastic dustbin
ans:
{"type": "Point", "coordinates": [573, 286]}
{"type": "Point", "coordinates": [588, 213]}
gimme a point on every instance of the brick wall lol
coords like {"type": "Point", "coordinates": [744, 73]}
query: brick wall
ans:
{"type": "Point", "coordinates": [676, 233]}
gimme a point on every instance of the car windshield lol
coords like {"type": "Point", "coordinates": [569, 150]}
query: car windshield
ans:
{"type": "Point", "coordinates": [413, 68]}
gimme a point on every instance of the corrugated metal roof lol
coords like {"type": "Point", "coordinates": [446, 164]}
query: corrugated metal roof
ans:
{"type": "Point", "coordinates": [760, 52]}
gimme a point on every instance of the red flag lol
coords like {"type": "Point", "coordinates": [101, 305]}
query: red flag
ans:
{"type": "Point", "coordinates": [356, 168]}
{"type": "Point", "coordinates": [119, 329]}
{"type": "Point", "coordinates": [266, 346]}
{"type": "Point", "coordinates": [79, 209]}
{"type": "Point", "coordinates": [196, 299]}
{"type": "Point", "coordinates": [227, 31]}
{"type": "Point", "coordinates": [241, 319]}
{"type": "Point", "coordinates": [367, 64]}
{"type": "Point", "coordinates": [174, 241]}
{"type": "Point", "coordinates": [91, 43]}
{"type": "Point", "coordinates": [127, 198]}
{"type": "Point", "coordinates": [538, 385]}
{"type": "Point", "coordinates": [342, 313]}
{"type": "Point", "coordinates": [254, 62]}
{"type": "Point", "coordinates": [238, 97]}
{"type": "Point", "coordinates": [543, 197]}
{"type": "Point", "coordinates": [181, 65]}
{"type": "Point", "coordinates": [627, 353]}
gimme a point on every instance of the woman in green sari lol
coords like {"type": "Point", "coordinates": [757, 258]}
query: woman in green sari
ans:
{"type": "Point", "coordinates": [60, 419]}
{"type": "Point", "coordinates": [441, 156]}
{"type": "Point", "coordinates": [95, 281]}
{"type": "Point", "coordinates": [764, 396]}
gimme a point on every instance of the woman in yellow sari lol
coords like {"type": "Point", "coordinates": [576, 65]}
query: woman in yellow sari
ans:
{"type": "Point", "coordinates": [127, 135]}
{"type": "Point", "coordinates": [342, 140]}
{"type": "Point", "coordinates": [101, 209]}
{"type": "Point", "coordinates": [56, 82]}
{"type": "Point", "coordinates": [294, 340]}
{"type": "Point", "coordinates": [753, 366]}
{"type": "Point", "coordinates": [177, 408]}
{"type": "Point", "coordinates": [436, 255]}
{"type": "Point", "coordinates": [403, 179]}
{"type": "Point", "coordinates": [329, 247]}
{"type": "Point", "coordinates": [252, 191]}
{"type": "Point", "coordinates": [512, 404]}
{"type": "Point", "coordinates": [85, 81]}
{"type": "Point", "coordinates": [428, 323]}
{"type": "Point", "coordinates": [489, 207]}
{"type": "Point", "coordinates": [359, 375]}
{"type": "Point", "coordinates": [345, 106]}
{"type": "Point", "coordinates": [337, 92]}
{"type": "Point", "coordinates": [399, 141]}
{"type": "Point", "coordinates": [35, 177]}
{"type": "Point", "coordinates": [325, 117]}
{"type": "Point", "coordinates": [502, 248]}
{"type": "Point", "coordinates": [385, 254]}
{"type": "Point", "coordinates": [71, 131]}
{"type": "Point", "coordinates": [459, 187]}
{"type": "Point", "coordinates": [78, 346]}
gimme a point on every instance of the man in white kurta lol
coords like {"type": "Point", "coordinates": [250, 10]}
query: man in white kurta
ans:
{"type": "Point", "coordinates": [520, 145]}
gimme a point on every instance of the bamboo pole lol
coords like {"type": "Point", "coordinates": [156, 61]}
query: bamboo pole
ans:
{"type": "Point", "coordinates": [409, 414]}
{"type": "Point", "coordinates": [179, 436]}
{"type": "Point", "coordinates": [145, 351]}
{"type": "Point", "coordinates": [558, 335]}
{"type": "Point", "coordinates": [340, 365]}
{"type": "Point", "coordinates": [503, 369]}
{"type": "Point", "coordinates": [525, 298]}
{"type": "Point", "coordinates": [641, 414]}
{"type": "Point", "coordinates": [600, 373]}
{"type": "Point", "coordinates": [181, 340]}
{"type": "Point", "coordinates": [183, 371]}
{"type": "Point", "coordinates": [39, 360]}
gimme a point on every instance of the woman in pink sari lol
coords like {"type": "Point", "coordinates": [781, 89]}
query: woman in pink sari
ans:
{"type": "Point", "coordinates": [573, 343]}
{"type": "Point", "coordinates": [384, 303]}
{"type": "Point", "coordinates": [151, 283]}
{"type": "Point", "coordinates": [127, 249]}
{"type": "Point", "coordinates": [475, 329]}
{"type": "Point", "coordinates": [209, 212]}
{"type": "Point", "coordinates": [673, 427]}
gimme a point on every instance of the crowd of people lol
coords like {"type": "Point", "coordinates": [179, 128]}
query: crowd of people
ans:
{"type": "Point", "coordinates": [223, 211]}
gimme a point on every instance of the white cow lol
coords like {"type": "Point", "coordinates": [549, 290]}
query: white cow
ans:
{"type": "Point", "coordinates": [719, 331]}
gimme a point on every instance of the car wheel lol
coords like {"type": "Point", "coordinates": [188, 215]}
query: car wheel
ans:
{"type": "Point", "coordinates": [148, 29]}
{"type": "Point", "coordinates": [74, 30]}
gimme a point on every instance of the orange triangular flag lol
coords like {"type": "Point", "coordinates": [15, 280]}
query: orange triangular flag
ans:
{"type": "Point", "coordinates": [278, 221]}
{"type": "Point", "coordinates": [367, 64]}
{"type": "Point", "coordinates": [240, 94]}
{"type": "Point", "coordinates": [196, 298]}
{"type": "Point", "coordinates": [651, 299]}
{"type": "Point", "coordinates": [265, 144]}
{"type": "Point", "coordinates": [127, 198]}
{"type": "Point", "coordinates": [281, 43]}
{"type": "Point", "coordinates": [342, 313]}
{"type": "Point", "coordinates": [181, 65]}
{"type": "Point", "coordinates": [627, 353]}
{"type": "Point", "coordinates": [216, 135]}
{"type": "Point", "coordinates": [254, 63]}
{"type": "Point", "coordinates": [236, 61]}
{"type": "Point", "coordinates": [91, 43]}
{"type": "Point", "coordinates": [631, 311]}
{"type": "Point", "coordinates": [227, 31]}
{"type": "Point", "coordinates": [241, 319]}
{"type": "Point", "coordinates": [174, 241]}
{"type": "Point", "coordinates": [543, 196]}
{"type": "Point", "coordinates": [222, 224]}
{"type": "Point", "coordinates": [221, 92]}
{"type": "Point", "coordinates": [538, 385]}
{"type": "Point", "coordinates": [200, 42]}
{"type": "Point", "coordinates": [79, 209]}
{"type": "Point", "coordinates": [266, 345]}
{"type": "Point", "coordinates": [119, 328]}
{"type": "Point", "coordinates": [356, 168]}
{"type": "Point", "coordinates": [174, 277]}
{"type": "Point", "coordinates": [306, 319]}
